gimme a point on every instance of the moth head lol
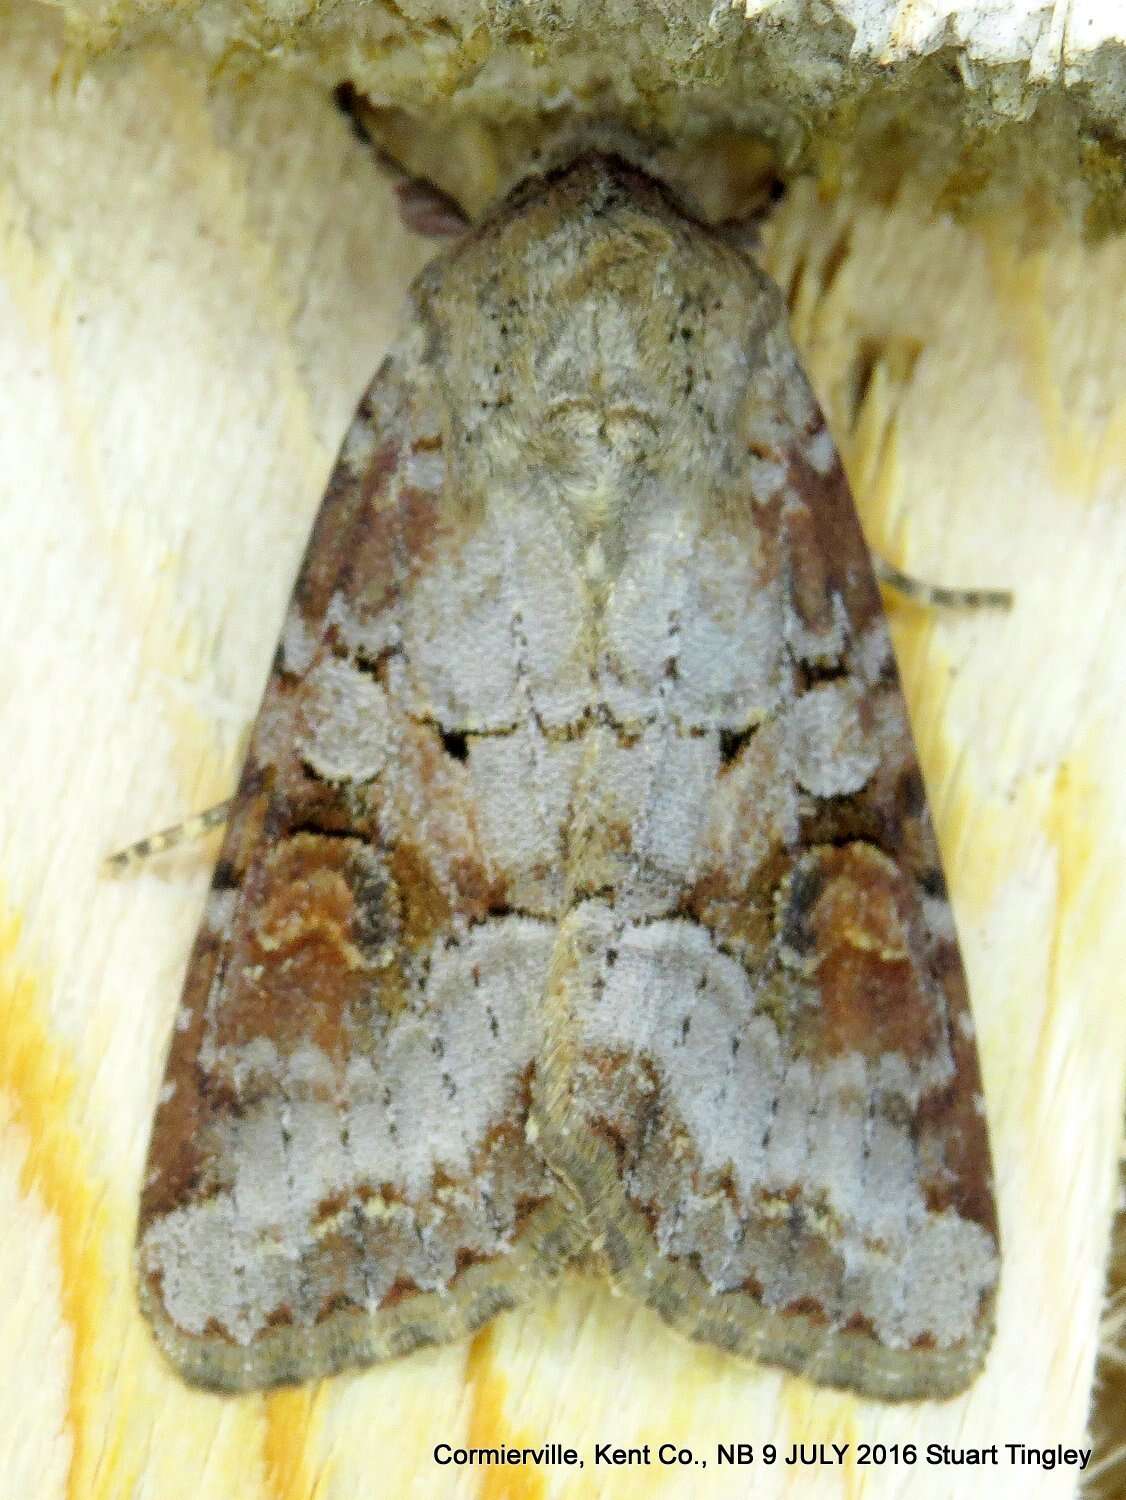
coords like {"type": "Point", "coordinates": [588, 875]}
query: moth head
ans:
{"type": "Point", "coordinates": [598, 331]}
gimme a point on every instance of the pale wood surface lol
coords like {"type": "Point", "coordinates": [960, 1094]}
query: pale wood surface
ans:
{"type": "Point", "coordinates": [194, 286]}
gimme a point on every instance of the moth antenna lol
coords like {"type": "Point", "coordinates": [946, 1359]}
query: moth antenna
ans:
{"type": "Point", "coordinates": [423, 207]}
{"type": "Point", "coordinates": [936, 595]}
{"type": "Point", "coordinates": [180, 833]}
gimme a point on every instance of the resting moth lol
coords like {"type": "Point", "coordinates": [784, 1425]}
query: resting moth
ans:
{"type": "Point", "coordinates": [579, 896]}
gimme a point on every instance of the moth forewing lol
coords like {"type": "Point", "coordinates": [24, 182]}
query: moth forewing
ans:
{"type": "Point", "coordinates": [338, 1169]}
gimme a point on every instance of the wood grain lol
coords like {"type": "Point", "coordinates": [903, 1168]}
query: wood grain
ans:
{"type": "Point", "coordinates": [195, 282]}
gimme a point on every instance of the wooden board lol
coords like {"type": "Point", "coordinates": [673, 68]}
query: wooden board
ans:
{"type": "Point", "coordinates": [195, 283]}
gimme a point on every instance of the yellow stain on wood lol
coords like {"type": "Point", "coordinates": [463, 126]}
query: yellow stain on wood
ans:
{"type": "Point", "coordinates": [489, 1427]}
{"type": "Point", "coordinates": [40, 1083]}
{"type": "Point", "coordinates": [1073, 825]}
{"type": "Point", "coordinates": [1078, 823]}
{"type": "Point", "coordinates": [292, 1418]}
{"type": "Point", "coordinates": [1029, 288]}
{"type": "Point", "coordinates": [975, 830]}
{"type": "Point", "coordinates": [808, 1414]}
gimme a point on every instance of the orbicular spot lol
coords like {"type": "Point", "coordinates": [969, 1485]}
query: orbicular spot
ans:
{"type": "Point", "coordinates": [849, 914]}
{"type": "Point", "coordinates": [323, 926]}
{"type": "Point", "coordinates": [833, 750]}
{"type": "Point", "coordinates": [344, 731]}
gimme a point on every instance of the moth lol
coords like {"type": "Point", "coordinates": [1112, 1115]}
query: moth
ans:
{"type": "Point", "coordinates": [579, 898]}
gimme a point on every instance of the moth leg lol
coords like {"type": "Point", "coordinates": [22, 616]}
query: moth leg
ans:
{"type": "Point", "coordinates": [936, 595]}
{"type": "Point", "coordinates": [180, 833]}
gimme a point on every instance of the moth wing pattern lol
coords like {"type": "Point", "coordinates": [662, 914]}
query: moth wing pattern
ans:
{"type": "Point", "coordinates": [580, 894]}
{"type": "Point", "coordinates": [760, 1076]}
{"type": "Point", "coordinates": [338, 1168]}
